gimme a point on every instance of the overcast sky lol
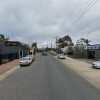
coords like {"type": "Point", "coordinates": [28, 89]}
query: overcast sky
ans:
{"type": "Point", "coordinates": [39, 21]}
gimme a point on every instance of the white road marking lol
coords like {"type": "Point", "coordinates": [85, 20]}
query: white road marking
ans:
{"type": "Point", "coordinates": [4, 75]}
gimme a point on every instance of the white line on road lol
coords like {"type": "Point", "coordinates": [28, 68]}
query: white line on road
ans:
{"type": "Point", "coordinates": [4, 75]}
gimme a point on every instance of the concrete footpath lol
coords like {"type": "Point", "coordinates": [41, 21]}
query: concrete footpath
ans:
{"type": "Point", "coordinates": [8, 66]}
{"type": "Point", "coordinates": [84, 70]}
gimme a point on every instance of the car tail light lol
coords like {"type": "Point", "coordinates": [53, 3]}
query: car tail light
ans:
{"type": "Point", "coordinates": [20, 62]}
{"type": "Point", "coordinates": [27, 62]}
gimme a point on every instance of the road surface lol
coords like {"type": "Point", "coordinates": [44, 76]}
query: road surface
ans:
{"type": "Point", "coordinates": [46, 79]}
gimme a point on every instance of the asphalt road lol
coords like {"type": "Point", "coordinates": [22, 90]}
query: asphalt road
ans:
{"type": "Point", "coordinates": [46, 79]}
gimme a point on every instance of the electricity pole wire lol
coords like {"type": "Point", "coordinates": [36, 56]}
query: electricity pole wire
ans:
{"type": "Point", "coordinates": [70, 14]}
{"type": "Point", "coordinates": [76, 15]}
{"type": "Point", "coordinates": [74, 9]}
{"type": "Point", "coordinates": [92, 21]}
{"type": "Point", "coordinates": [84, 13]}
{"type": "Point", "coordinates": [74, 22]}
{"type": "Point", "coordinates": [87, 33]}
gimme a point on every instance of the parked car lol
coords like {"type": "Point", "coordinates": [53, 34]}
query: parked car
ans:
{"type": "Point", "coordinates": [96, 64]}
{"type": "Point", "coordinates": [61, 56]}
{"type": "Point", "coordinates": [31, 56]}
{"type": "Point", "coordinates": [44, 53]}
{"type": "Point", "coordinates": [53, 53]}
{"type": "Point", "coordinates": [25, 61]}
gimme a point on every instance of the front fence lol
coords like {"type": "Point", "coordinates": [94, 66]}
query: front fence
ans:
{"type": "Point", "coordinates": [4, 58]}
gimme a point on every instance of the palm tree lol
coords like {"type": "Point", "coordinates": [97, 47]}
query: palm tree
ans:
{"type": "Point", "coordinates": [34, 44]}
{"type": "Point", "coordinates": [2, 38]}
{"type": "Point", "coordinates": [87, 42]}
{"type": "Point", "coordinates": [7, 39]}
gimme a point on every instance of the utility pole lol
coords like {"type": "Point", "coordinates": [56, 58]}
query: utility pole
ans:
{"type": "Point", "coordinates": [36, 47]}
{"type": "Point", "coordinates": [51, 45]}
{"type": "Point", "coordinates": [47, 45]}
{"type": "Point", "coordinates": [56, 42]}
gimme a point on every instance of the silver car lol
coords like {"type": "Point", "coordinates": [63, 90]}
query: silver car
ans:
{"type": "Point", "coordinates": [31, 56]}
{"type": "Point", "coordinates": [61, 56]}
{"type": "Point", "coordinates": [53, 53]}
{"type": "Point", "coordinates": [96, 64]}
{"type": "Point", "coordinates": [25, 61]}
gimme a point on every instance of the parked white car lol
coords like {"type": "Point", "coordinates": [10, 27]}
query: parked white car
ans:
{"type": "Point", "coordinates": [31, 56]}
{"type": "Point", "coordinates": [25, 61]}
{"type": "Point", "coordinates": [61, 56]}
{"type": "Point", "coordinates": [53, 53]}
{"type": "Point", "coordinates": [96, 64]}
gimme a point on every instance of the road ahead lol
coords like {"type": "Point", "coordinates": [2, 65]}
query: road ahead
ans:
{"type": "Point", "coordinates": [46, 79]}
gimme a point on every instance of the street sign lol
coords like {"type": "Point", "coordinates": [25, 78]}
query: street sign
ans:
{"type": "Point", "coordinates": [94, 47]}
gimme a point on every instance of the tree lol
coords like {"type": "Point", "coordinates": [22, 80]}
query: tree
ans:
{"type": "Point", "coordinates": [7, 39]}
{"type": "Point", "coordinates": [80, 41]}
{"type": "Point", "coordinates": [71, 44]}
{"type": "Point", "coordinates": [87, 42]}
{"type": "Point", "coordinates": [2, 38]}
{"type": "Point", "coordinates": [65, 41]}
{"type": "Point", "coordinates": [77, 49]}
{"type": "Point", "coordinates": [60, 42]}
{"type": "Point", "coordinates": [70, 49]}
{"type": "Point", "coordinates": [80, 45]}
{"type": "Point", "coordinates": [58, 50]}
{"type": "Point", "coordinates": [67, 38]}
{"type": "Point", "coordinates": [34, 44]}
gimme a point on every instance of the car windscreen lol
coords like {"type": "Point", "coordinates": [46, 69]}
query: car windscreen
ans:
{"type": "Point", "coordinates": [24, 59]}
{"type": "Point", "coordinates": [29, 56]}
{"type": "Point", "coordinates": [61, 54]}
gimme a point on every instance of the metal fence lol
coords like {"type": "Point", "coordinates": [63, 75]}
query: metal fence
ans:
{"type": "Point", "coordinates": [4, 58]}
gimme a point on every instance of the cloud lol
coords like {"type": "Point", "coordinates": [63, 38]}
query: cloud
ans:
{"type": "Point", "coordinates": [40, 20]}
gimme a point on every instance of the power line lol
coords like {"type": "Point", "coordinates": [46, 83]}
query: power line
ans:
{"type": "Point", "coordinates": [84, 13]}
{"type": "Point", "coordinates": [71, 13]}
{"type": "Point", "coordinates": [75, 8]}
{"type": "Point", "coordinates": [86, 10]}
{"type": "Point", "coordinates": [89, 32]}
{"type": "Point", "coordinates": [92, 21]}
{"type": "Point", "coordinates": [78, 14]}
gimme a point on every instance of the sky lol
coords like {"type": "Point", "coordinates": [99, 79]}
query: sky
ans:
{"type": "Point", "coordinates": [41, 21]}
